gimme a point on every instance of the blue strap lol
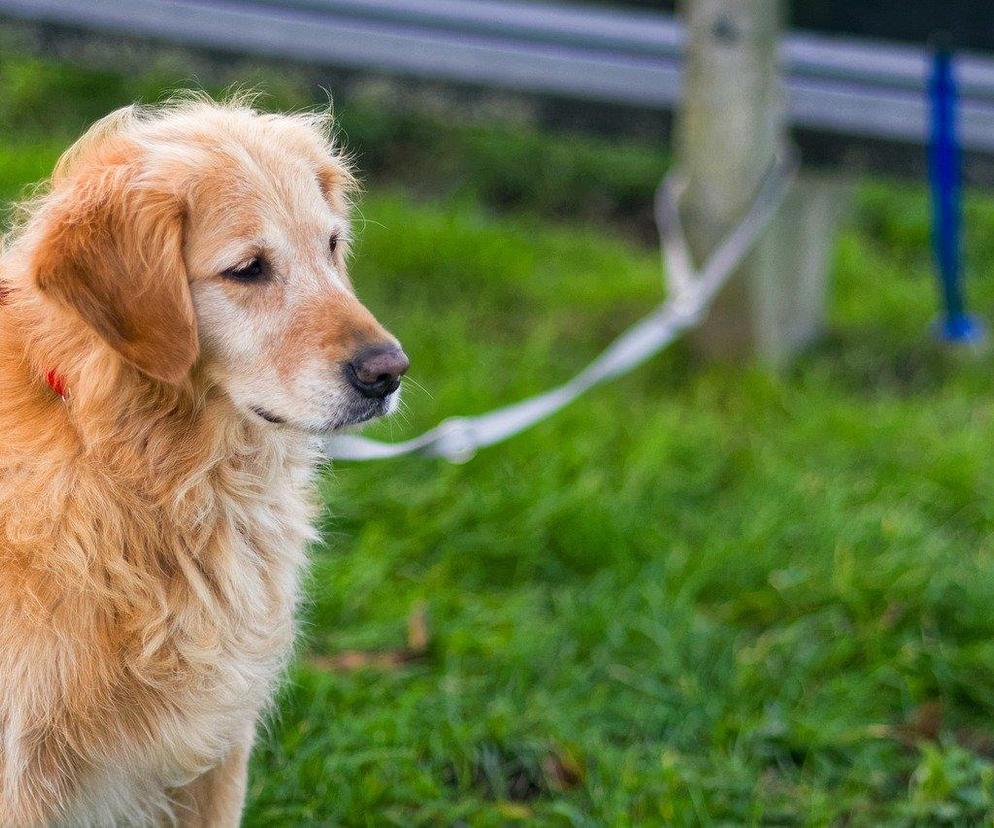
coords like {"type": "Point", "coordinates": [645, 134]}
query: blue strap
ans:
{"type": "Point", "coordinates": [944, 177]}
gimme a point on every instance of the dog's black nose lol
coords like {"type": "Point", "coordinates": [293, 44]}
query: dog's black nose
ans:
{"type": "Point", "coordinates": [376, 371]}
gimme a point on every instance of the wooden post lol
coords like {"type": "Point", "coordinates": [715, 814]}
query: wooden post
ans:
{"type": "Point", "coordinates": [730, 130]}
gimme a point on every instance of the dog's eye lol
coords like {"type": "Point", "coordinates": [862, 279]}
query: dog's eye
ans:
{"type": "Point", "coordinates": [333, 242]}
{"type": "Point", "coordinates": [252, 271]}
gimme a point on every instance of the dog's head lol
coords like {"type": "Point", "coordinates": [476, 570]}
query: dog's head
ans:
{"type": "Point", "coordinates": [212, 238]}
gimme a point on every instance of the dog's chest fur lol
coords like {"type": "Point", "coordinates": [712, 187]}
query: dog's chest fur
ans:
{"type": "Point", "coordinates": [164, 634]}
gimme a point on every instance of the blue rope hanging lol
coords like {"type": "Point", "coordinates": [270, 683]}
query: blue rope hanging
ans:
{"type": "Point", "coordinates": [955, 325]}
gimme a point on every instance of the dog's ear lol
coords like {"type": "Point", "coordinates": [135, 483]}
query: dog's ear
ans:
{"type": "Point", "coordinates": [337, 182]}
{"type": "Point", "coordinates": [111, 250]}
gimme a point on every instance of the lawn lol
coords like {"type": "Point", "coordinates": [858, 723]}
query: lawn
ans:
{"type": "Point", "coordinates": [704, 594]}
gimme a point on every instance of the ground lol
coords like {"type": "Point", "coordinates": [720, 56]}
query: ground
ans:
{"type": "Point", "coordinates": [704, 594]}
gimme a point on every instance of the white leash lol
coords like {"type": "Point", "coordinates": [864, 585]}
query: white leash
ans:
{"type": "Point", "coordinates": [690, 292]}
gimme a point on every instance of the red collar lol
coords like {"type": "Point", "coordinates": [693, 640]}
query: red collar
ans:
{"type": "Point", "coordinates": [54, 379]}
{"type": "Point", "coordinates": [56, 382]}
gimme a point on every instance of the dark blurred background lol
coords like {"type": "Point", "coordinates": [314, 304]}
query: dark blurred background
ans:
{"type": "Point", "coordinates": [970, 23]}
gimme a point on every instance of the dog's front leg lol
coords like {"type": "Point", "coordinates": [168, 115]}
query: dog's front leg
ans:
{"type": "Point", "coordinates": [215, 799]}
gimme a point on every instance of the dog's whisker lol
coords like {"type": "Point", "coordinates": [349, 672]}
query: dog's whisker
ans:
{"type": "Point", "coordinates": [420, 387]}
{"type": "Point", "coordinates": [363, 221]}
{"type": "Point", "coordinates": [402, 415]}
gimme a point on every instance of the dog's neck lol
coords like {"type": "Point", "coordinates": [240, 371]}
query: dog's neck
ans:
{"type": "Point", "coordinates": [77, 397]}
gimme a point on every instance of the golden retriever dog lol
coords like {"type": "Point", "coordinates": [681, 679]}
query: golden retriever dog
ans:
{"type": "Point", "coordinates": [177, 332]}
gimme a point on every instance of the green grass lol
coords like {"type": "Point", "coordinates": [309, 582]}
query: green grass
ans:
{"type": "Point", "coordinates": [704, 594]}
{"type": "Point", "coordinates": [712, 594]}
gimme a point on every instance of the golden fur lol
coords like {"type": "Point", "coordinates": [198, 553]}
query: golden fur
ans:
{"type": "Point", "coordinates": [154, 528]}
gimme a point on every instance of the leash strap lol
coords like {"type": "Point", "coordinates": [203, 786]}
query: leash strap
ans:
{"type": "Point", "coordinates": [689, 292]}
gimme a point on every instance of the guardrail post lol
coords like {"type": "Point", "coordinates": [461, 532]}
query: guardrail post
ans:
{"type": "Point", "coordinates": [730, 129]}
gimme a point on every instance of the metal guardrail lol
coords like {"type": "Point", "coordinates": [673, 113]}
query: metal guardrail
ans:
{"type": "Point", "coordinates": [845, 86]}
